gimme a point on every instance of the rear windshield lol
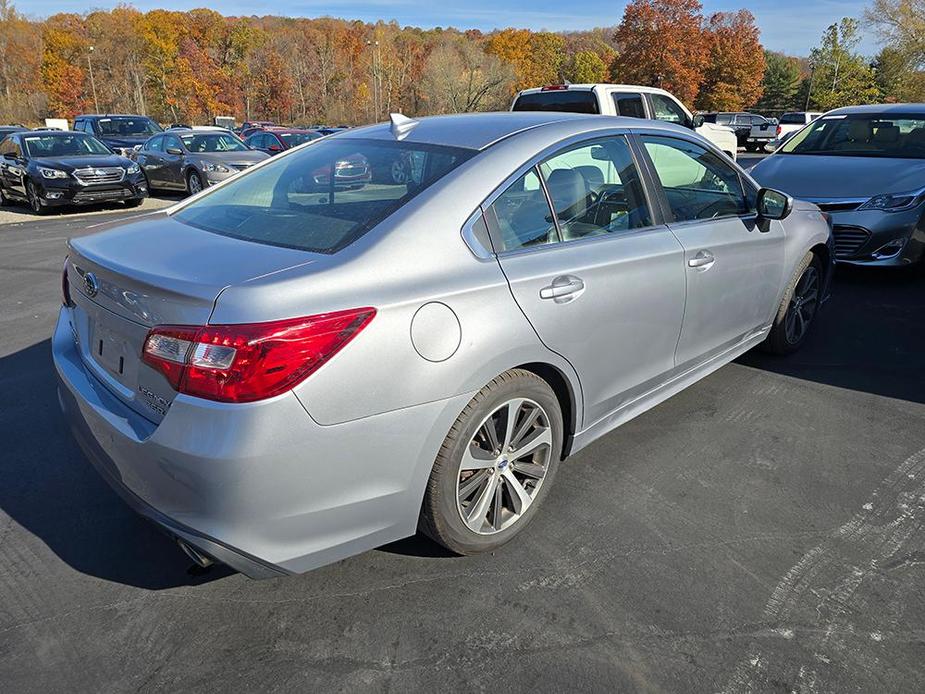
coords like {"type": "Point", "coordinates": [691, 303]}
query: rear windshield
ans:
{"type": "Point", "coordinates": [577, 101]}
{"type": "Point", "coordinates": [792, 119]}
{"type": "Point", "coordinates": [325, 197]}
{"type": "Point", "coordinates": [295, 139]}
{"type": "Point", "coordinates": [127, 125]}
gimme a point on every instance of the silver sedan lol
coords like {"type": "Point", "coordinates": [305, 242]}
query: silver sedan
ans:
{"type": "Point", "coordinates": [282, 375]}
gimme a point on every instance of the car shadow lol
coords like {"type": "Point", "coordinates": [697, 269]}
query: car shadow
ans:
{"type": "Point", "coordinates": [53, 492]}
{"type": "Point", "coordinates": [868, 337]}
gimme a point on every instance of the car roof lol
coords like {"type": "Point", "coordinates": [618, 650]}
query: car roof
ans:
{"type": "Point", "coordinates": [892, 109]}
{"type": "Point", "coordinates": [480, 130]}
{"type": "Point", "coordinates": [52, 131]}
{"type": "Point", "coordinates": [588, 86]}
{"type": "Point", "coordinates": [112, 115]}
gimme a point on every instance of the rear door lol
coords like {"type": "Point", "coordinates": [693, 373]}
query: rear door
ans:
{"type": "Point", "coordinates": [173, 163]}
{"type": "Point", "coordinates": [732, 264]}
{"type": "Point", "coordinates": [151, 160]}
{"type": "Point", "coordinates": [600, 280]}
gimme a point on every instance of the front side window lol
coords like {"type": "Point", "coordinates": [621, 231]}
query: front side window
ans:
{"type": "Point", "coordinates": [172, 142]}
{"type": "Point", "coordinates": [667, 109]}
{"type": "Point", "coordinates": [318, 199]}
{"type": "Point", "coordinates": [697, 183]}
{"type": "Point", "coordinates": [64, 145]}
{"type": "Point", "coordinates": [629, 105]}
{"type": "Point", "coordinates": [155, 144]}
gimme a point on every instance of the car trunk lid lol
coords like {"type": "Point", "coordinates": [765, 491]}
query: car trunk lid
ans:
{"type": "Point", "coordinates": [154, 271]}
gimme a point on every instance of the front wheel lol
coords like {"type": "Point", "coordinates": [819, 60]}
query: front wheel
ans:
{"type": "Point", "coordinates": [35, 202]}
{"type": "Point", "coordinates": [798, 309]}
{"type": "Point", "coordinates": [496, 465]}
{"type": "Point", "coordinates": [193, 183]}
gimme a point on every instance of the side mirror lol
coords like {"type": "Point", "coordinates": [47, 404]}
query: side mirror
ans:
{"type": "Point", "coordinates": [772, 204]}
{"type": "Point", "coordinates": [697, 121]}
{"type": "Point", "coordinates": [176, 151]}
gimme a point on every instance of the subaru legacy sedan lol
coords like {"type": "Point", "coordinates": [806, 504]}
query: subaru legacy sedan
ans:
{"type": "Point", "coordinates": [865, 166]}
{"type": "Point", "coordinates": [282, 375]}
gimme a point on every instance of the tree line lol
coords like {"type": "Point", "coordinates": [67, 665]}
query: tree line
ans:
{"type": "Point", "coordinates": [191, 66]}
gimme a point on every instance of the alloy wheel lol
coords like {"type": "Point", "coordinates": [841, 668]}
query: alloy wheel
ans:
{"type": "Point", "coordinates": [399, 172]}
{"type": "Point", "coordinates": [803, 305]}
{"type": "Point", "coordinates": [504, 466]}
{"type": "Point", "coordinates": [195, 184]}
{"type": "Point", "coordinates": [34, 202]}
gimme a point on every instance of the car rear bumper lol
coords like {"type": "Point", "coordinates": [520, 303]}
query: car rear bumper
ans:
{"type": "Point", "coordinates": [260, 487]}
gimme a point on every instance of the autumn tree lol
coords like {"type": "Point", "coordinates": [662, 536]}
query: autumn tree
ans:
{"type": "Point", "coordinates": [459, 77]}
{"type": "Point", "coordinates": [20, 64]}
{"type": "Point", "coordinates": [733, 77]}
{"type": "Point", "coordinates": [898, 77]}
{"type": "Point", "coordinates": [63, 60]}
{"type": "Point", "coordinates": [661, 44]}
{"type": "Point", "coordinates": [535, 57]}
{"type": "Point", "coordinates": [585, 67]}
{"type": "Point", "coordinates": [901, 24]}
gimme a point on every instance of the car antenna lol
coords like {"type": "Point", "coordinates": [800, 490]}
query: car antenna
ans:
{"type": "Point", "coordinates": [402, 125]}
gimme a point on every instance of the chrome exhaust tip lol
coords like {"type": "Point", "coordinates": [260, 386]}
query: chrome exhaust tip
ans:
{"type": "Point", "coordinates": [198, 557]}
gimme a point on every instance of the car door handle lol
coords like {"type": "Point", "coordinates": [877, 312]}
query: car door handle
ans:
{"type": "Point", "coordinates": [702, 261]}
{"type": "Point", "coordinates": [563, 289]}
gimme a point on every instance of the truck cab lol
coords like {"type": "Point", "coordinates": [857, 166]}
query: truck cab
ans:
{"type": "Point", "coordinates": [628, 100]}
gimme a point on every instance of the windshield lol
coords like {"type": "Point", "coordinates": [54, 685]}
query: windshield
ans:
{"type": "Point", "coordinates": [862, 135]}
{"type": "Point", "coordinates": [324, 197]}
{"type": "Point", "coordinates": [127, 125]}
{"type": "Point", "coordinates": [213, 142]}
{"type": "Point", "coordinates": [64, 145]}
{"type": "Point", "coordinates": [571, 101]}
{"type": "Point", "coordinates": [295, 139]}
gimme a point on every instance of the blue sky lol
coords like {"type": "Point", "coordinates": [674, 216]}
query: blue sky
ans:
{"type": "Point", "coordinates": [792, 26]}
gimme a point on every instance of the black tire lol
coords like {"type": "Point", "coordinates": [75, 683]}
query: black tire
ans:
{"type": "Point", "coordinates": [442, 512]}
{"type": "Point", "coordinates": [193, 183]}
{"type": "Point", "coordinates": [134, 203]}
{"type": "Point", "coordinates": [35, 204]}
{"type": "Point", "coordinates": [780, 340]}
{"type": "Point", "coordinates": [4, 201]}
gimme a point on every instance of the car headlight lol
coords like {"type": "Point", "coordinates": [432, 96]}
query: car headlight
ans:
{"type": "Point", "coordinates": [893, 202]}
{"type": "Point", "coordinates": [52, 173]}
{"type": "Point", "coordinates": [215, 167]}
{"type": "Point", "coordinates": [133, 169]}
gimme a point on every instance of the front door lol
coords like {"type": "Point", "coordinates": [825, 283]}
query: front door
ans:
{"type": "Point", "coordinates": [602, 285]}
{"type": "Point", "coordinates": [732, 263]}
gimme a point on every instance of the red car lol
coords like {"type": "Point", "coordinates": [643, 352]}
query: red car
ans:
{"type": "Point", "coordinates": [276, 140]}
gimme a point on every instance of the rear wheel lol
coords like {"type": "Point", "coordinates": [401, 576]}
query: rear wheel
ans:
{"type": "Point", "coordinates": [495, 466]}
{"type": "Point", "coordinates": [798, 309]}
{"type": "Point", "coordinates": [35, 202]}
{"type": "Point", "coordinates": [193, 183]}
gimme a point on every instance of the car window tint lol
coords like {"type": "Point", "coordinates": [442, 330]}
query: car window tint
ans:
{"type": "Point", "coordinates": [523, 216]}
{"type": "Point", "coordinates": [171, 142]}
{"type": "Point", "coordinates": [595, 189]}
{"type": "Point", "coordinates": [155, 144]}
{"type": "Point", "coordinates": [629, 105]}
{"type": "Point", "coordinates": [568, 100]}
{"type": "Point", "coordinates": [667, 109]}
{"type": "Point", "coordinates": [697, 183]}
{"type": "Point", "coordinates": [321, 198]}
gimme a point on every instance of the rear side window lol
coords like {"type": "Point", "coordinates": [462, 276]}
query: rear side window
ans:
{"type": "Point", "coordinates": [324, 197]}
{"type": "Point", "coordinates": [594, 188]}
{"type": "Point", "coordinates": [697, 183]}
{"type": "Point", "coordinates": [629, 105]}
{"type": "Point", "coordinates": [568, 100]}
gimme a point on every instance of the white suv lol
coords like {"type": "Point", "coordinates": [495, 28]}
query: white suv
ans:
{"type": "Point", "coordinates": [633, 100]}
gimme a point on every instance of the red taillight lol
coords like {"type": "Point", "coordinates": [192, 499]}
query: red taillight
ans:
{"type": "Point", "coordinates": [252, 361]}
{"type": "Point", "coordinates": [65, 287]}
{"type": "Point", "coordinates": [778, 130]}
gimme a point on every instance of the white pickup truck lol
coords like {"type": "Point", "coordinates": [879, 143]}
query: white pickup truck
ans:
{"type": "Point", "coordinates": [633, 100]}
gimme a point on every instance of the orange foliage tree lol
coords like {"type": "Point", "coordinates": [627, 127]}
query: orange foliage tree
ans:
{"type": "Point", "coordinates": [661, 44]}
{"type": "Point", "coordinates": [733, 78]}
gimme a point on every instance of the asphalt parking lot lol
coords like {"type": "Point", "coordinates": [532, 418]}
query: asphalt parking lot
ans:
{"type": "Point", "coordinates": [761, 531]}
